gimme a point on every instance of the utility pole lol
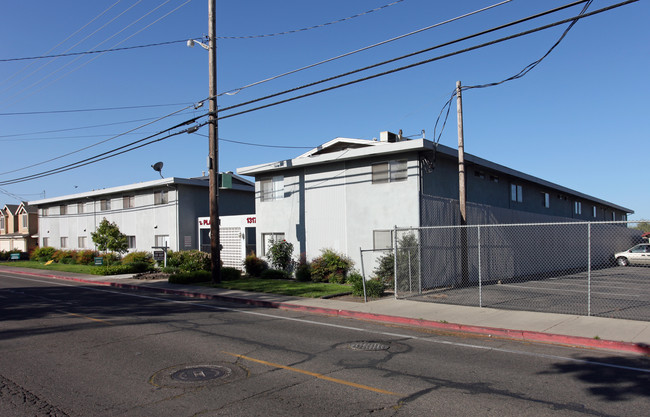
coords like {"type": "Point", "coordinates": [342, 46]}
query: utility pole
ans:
{"type": "Point", "coordinates": [213, 173]}
{"type": "Point", "coordinates": [462, 200]}
{"type": "Point", "coordinates": [461, 157]}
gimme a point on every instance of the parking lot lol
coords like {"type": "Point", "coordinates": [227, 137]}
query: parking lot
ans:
{"type": "Point", "coordinates": [618, 292]}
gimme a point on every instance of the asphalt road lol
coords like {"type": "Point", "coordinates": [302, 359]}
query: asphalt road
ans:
{"type": "Point", "coordinates": [69, 349]}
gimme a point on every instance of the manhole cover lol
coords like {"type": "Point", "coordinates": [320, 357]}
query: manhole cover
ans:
{"type": "Point", "coordinates": [197, 375]}
{"type": "Point", "coordinates": [369, 346]}
{"type": "Point", "coordinates": [200, 373]}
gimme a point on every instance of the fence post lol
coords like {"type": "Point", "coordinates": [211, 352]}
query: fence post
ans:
{"type": "Point", "coordinates": [420, 260]}
{"type": "Point", "coordinates": [395, 258]}
{"type": "Point", "coordinates": [480, 288]}
{"type": "Point", "coordinates": [588, 269]}
{"type": "Point", "coordinates": [363, 276]}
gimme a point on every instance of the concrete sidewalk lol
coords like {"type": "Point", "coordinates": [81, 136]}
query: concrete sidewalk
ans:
{"type": "Point", "coordinates": [592, 332]}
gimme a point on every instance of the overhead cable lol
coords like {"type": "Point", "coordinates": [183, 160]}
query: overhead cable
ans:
{"type": "Point", "coordinates": [237, 90]}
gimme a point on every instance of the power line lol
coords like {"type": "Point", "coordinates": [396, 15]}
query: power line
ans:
{"type": "Point", "coordinates": [106, 140]}
{"type": "Point", "coordinates": [101, 51]}
{"type": "Point", "coordinates": [477, 34]}
{"type": "Point", "coordinates": [237, 90]}
{"type": "Point", "coordinates": [109, 154]}
{"type": "Point", "coordinates": [90, 110]}
{"type": "Point", "coordinates": [312, 27]}
{"type": "Point", "coordinates": [520, 74]}
{"type": "Point", "coordinates": [259, 144]}
{"type": "Point", "coordinates": [416, 64]}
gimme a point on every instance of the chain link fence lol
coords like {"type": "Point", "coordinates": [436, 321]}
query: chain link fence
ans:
{"type": "Point", "coordinates": [550, 267]}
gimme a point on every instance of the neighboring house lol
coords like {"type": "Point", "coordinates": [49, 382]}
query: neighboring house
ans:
{"type": "Point", "coordinates": [156, 213]}
{"type": "Point", "coordinates": [18, 227]}
{"type": "Point", "coordinates": [348, 194]}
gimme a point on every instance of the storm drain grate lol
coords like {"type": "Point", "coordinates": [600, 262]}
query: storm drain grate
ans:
{"type": "Point", "coordinates": [369, 346]}
{"type": "Point", "coordinates": [201, 373]}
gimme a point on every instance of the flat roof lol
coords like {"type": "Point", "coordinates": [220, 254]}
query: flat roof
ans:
{"type": "Point", "coordinates": [376, 148]}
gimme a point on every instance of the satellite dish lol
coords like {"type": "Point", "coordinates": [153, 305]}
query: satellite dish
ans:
{"type": "Point", "coordinates": [158, 167]}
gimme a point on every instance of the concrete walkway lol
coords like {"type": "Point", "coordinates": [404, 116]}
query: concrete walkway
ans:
{"type": "Point", "coordinates": [592, 332]}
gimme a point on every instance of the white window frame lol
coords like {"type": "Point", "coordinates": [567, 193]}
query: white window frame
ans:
{"type": "Point", "coordinates": [105, 204]}
{"type": "Point", "coordinates": [2, 223]}
{"type": "Point", "coordinates": [130, 240]}
{"type": "Point", "coordinates": [161, 240]}
{"type": "Point", "coordinates": [81, 242]}
{"type": "Point", "coordinates": [389, 171]}
{"type": "Point", "coordinates": [272, 188]}
{"type": "Point", "coordinates": [64, 242]}
{"type": "Point", "coordinates": [24, 220]}
{"type": "Point", "coordinates": [128, 201]}
{"type": "Point", "coordinates": [63, 209]}
{"type": "Point", "coordinates": [160, 197]}
{"type": "Point", "coordinates": [516, 193]}
{"type": "Point", "coordinates": [46, 241]}
{"type": "Point", "coordinates": [271, 237]}
{"type": "Point", "coordinates": [80, 208]}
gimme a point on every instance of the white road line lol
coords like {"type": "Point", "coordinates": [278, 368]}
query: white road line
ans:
{"type": "Point", "coordinates": [338, 326]}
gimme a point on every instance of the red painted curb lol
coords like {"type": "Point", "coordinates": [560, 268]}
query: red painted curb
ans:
{"type": "Point", "coordinates": [523, 335]}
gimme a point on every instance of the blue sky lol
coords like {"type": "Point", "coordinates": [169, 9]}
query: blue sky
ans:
{"type": "Point", "coordinates": [579, 119]}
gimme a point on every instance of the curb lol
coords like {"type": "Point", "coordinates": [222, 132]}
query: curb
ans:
{"type": "Point", "coordinates": [520, 335]}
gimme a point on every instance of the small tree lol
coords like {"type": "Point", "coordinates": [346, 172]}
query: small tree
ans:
{"type": "Point", "coordinates": [109, 237]}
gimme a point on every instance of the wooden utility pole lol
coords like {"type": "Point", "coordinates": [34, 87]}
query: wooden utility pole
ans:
{"type": "Point", "coordinates": [461, 157]}
{"type": "Point", "coordinates": [215, 245]}
{"type": "Point", "coordinates": [462, 200]}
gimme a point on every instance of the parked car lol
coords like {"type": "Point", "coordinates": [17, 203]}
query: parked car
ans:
{"type": "Point", "coordinates": [636, 255]}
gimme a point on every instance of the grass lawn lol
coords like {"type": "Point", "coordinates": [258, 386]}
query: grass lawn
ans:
{"type": "Point", "coordinates": [284, 287]}
{"type": "Point", "coordinates": [80, 269]}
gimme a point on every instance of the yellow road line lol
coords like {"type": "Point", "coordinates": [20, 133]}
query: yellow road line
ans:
{"type": "Point", "coordinates": [319, 376]}
{"type": "Point", "coordinates": [89, 318]}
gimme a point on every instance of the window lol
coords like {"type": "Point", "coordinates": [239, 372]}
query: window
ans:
{"type": "Point", "coordinates": [24, 219]}
{"type": "Point", "coordinates": [272, 188]}
{"type": "Point", "coordinates": [44, 211]}
{"type": "Point", "coordinates": [130, 240]}
{"type": "Point", "coordinates": [64, 242]}
{"type": "Point", "coordinates": [2, 223]}
{"type": "Point", "coordinates": [389, 172]}
{"type": "Point", "coordinates": [594, 211]}
{"type": "Point", "coordinates": [578, 207]}
{"type": "Point", "coordinates": [516, 193]}
{"type": "Point", "coordinates": [80, 207]}
{"type": "Point", "coordinates": [160, 197]}
{"type": "Point", "coordinates": [546, 200]}
{"type": "Point", "coordinates": [81, 242]}
{"type": "Point", "coordinates": [162, 240]}
{"type": "Point", "coordinates": [63, 209]}
{"type": "Point", "coordinates": [382, 239]}
{"type": "Point", "coordinates": [269, 239]}
{"type": "Point", "coordinates": [613, 216]}
{"type": "Point", "coordinates": [104, 205]}
{"type": "Point", "coordinates": [46, 241]}
{"type": "Point", "coordinates": [128, 201]}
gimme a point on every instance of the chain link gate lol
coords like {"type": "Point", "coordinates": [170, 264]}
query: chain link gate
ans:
{"type": "Point", "coordinates": [550, 267]}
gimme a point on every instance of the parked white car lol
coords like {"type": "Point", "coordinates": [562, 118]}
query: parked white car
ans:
{"type": "Point", "coordinates": [637, 255]}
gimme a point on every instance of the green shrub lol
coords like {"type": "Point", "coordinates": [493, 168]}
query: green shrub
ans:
{"type": "Point", "coordinates": [275, 274]}
{"type": "Point", "coordinates": [43, 254]}
{"type": "Point", "coordinates": [330, 267]}
{"type": "Point", "coordinates": [374, 288]}
{"type": "Point", "coordinates": [385, 269]}
{"type": "Point", "coordinates": [139, 267]}
{"type": "Point", "coordinates": [142, 256]}
{"type": "Point", "coordinates": [190, 277]}
{"type": "Point", "coordinates": [112, 270]}
{"type": "Point", "coordinates": [230, 274]}
{"type": "Point", "coordinates": [303, 272]}
{"type": "Point", "coordinates": [254, 266]}
{"type": "Point", "coordinates": [86, 257]}
{"type": "Point", "coordinates": [171, 270]}
{"type": "Point", "coordinates": [280, 254]}
{"type": "Point", "coordinates": [189, 260]}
